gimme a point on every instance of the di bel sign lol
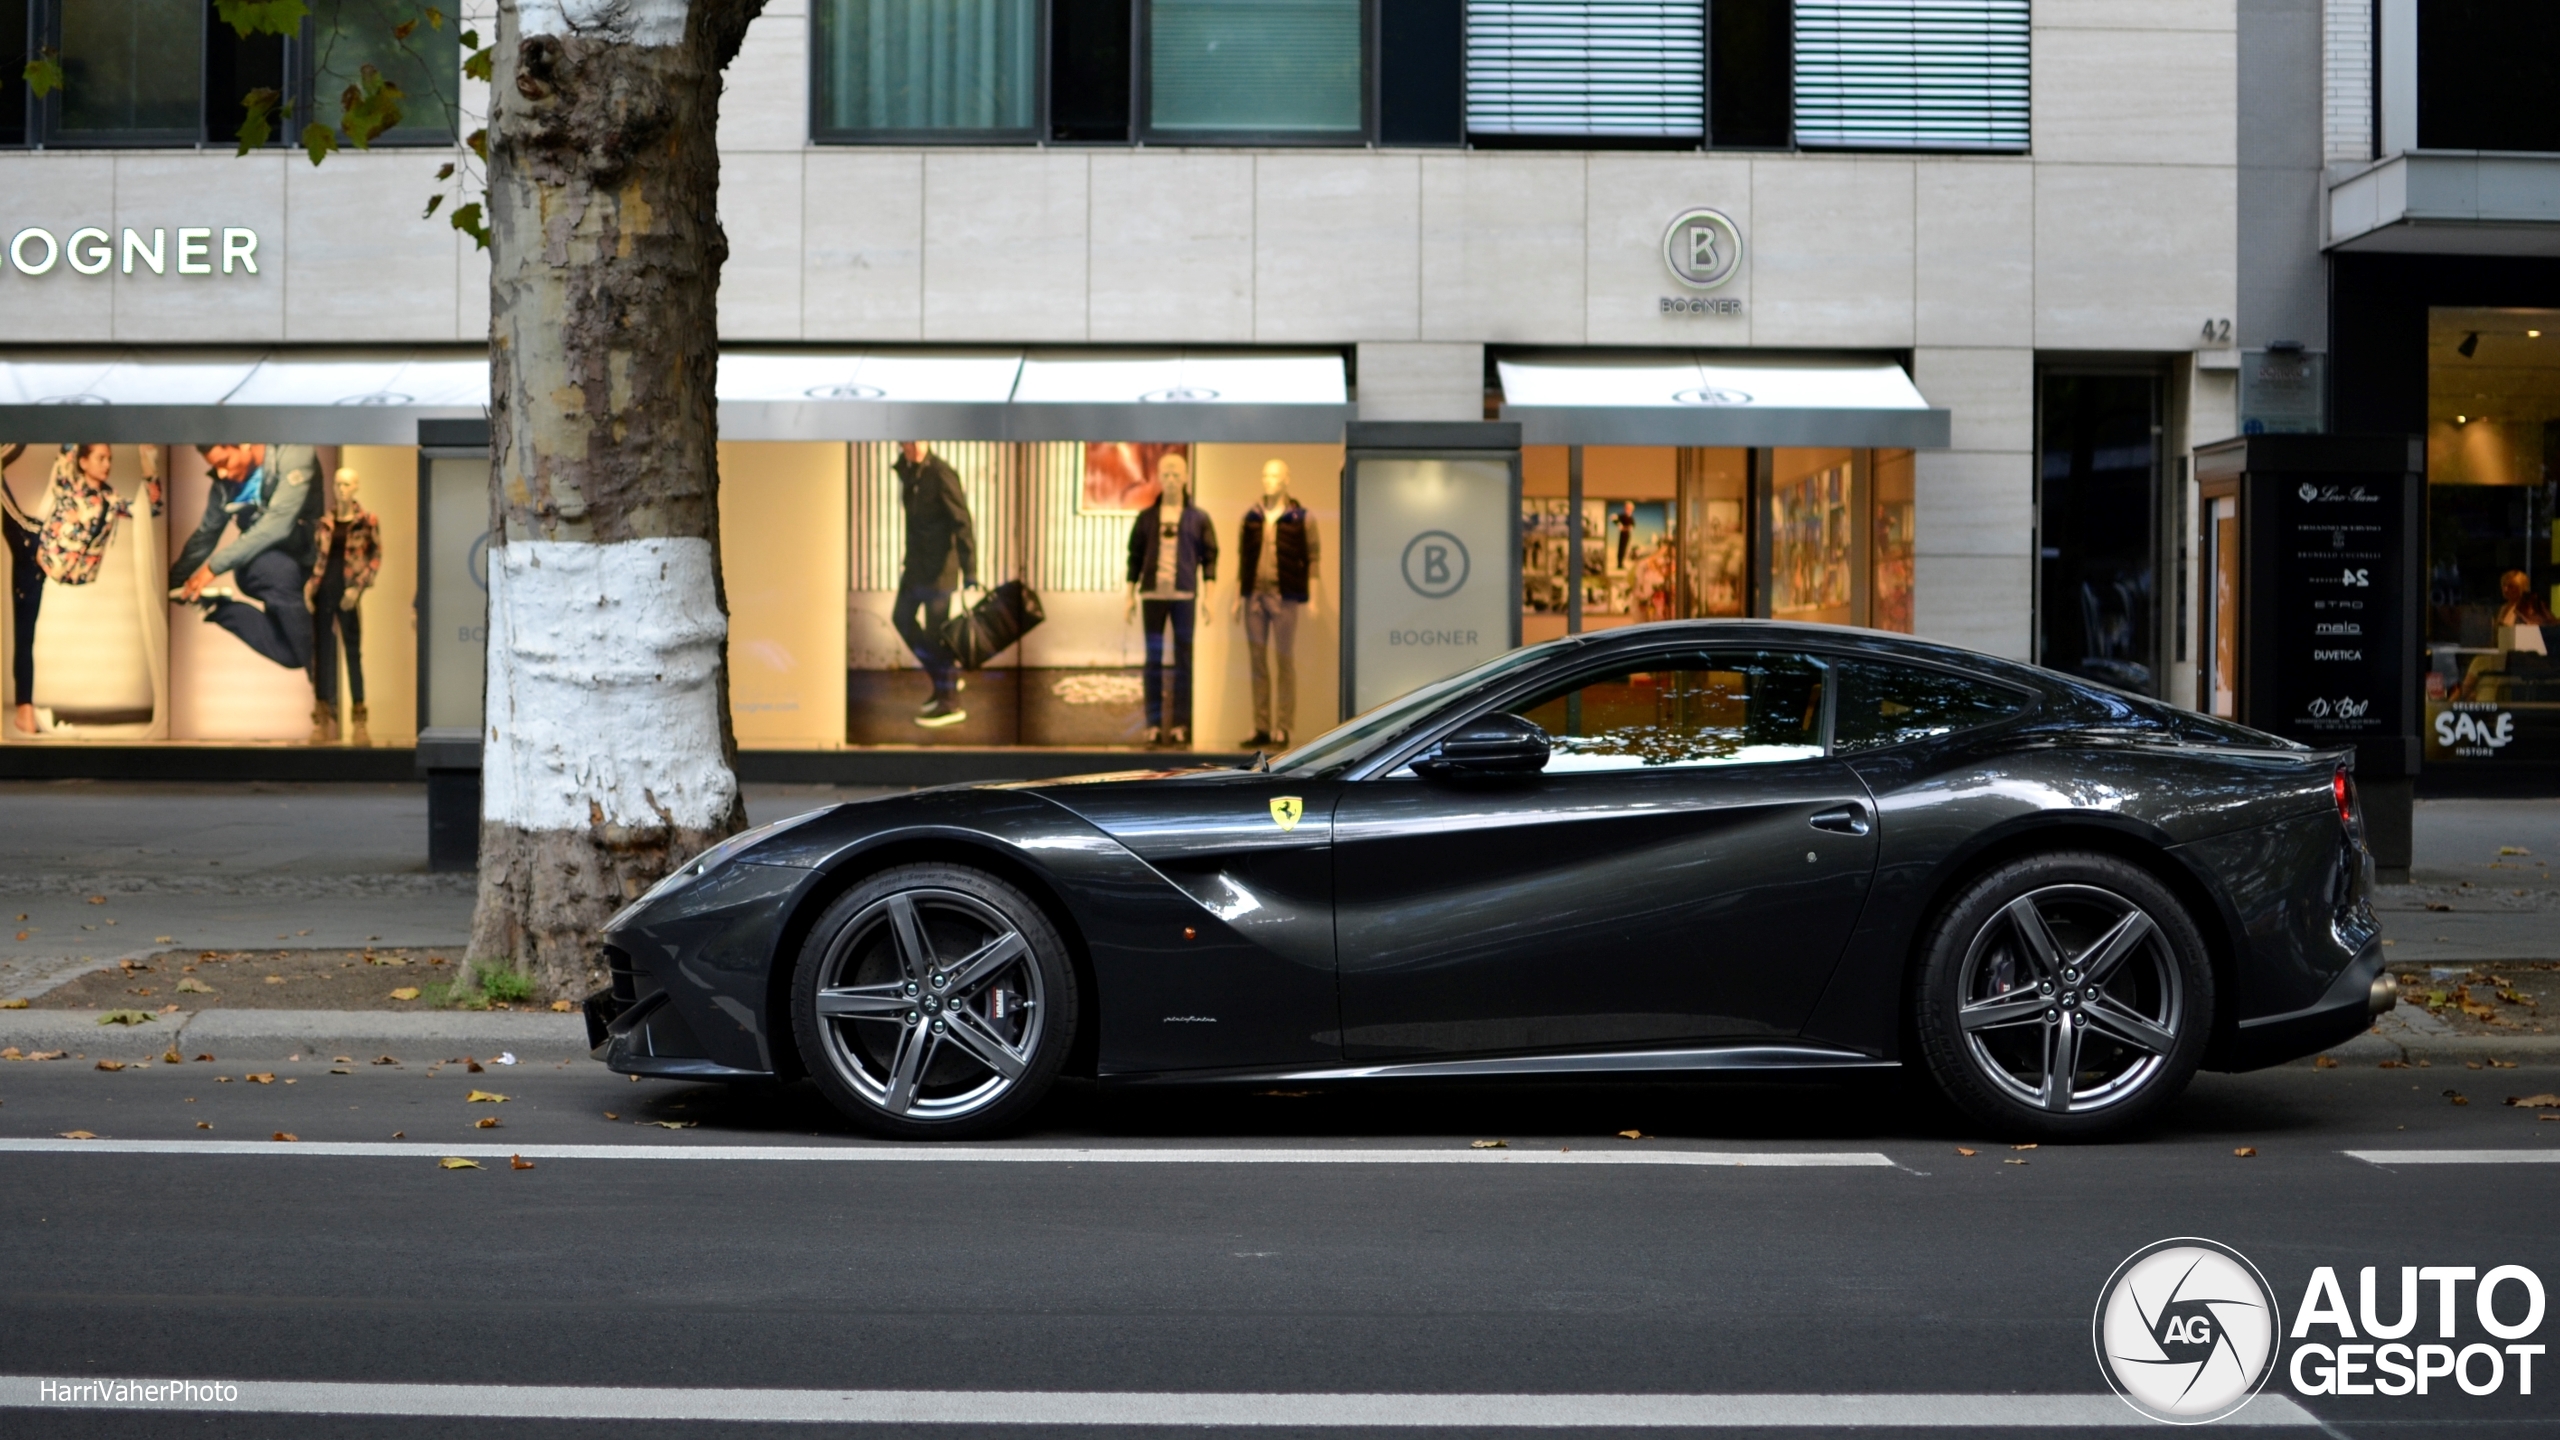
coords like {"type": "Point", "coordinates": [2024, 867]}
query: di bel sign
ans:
{"type": "Point", "coordinates": [1702, 250]}
{"type": "Point", "coordinates": [89, 250]}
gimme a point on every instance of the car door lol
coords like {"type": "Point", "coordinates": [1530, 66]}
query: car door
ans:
{"type": "Point", "coordinates": [1686, 869]}
{"type": "Point", "coordinates": [1231, 962]}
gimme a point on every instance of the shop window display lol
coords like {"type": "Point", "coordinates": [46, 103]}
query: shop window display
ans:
{"type": "Point", "coordinates": [1160, 595]}
{"type": "Point", "coordinates": [208, 593]}
{"type": "Point", "coordinates": [2493, 536]}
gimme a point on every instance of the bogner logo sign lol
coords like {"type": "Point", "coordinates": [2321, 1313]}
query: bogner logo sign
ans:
{"type": "Point", "coordinates": [198, 250]}
{"type": "Point", "coordinates": [1702, 249]}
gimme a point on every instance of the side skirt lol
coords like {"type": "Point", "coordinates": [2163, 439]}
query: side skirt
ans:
{"type": "Point", "coordinates": [1622, 1062]}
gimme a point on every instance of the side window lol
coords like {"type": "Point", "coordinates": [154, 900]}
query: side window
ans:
{"type": "Point", "coordinates": [1884, 705]}
{"type": "Point", "coordinates": [1686, 710]}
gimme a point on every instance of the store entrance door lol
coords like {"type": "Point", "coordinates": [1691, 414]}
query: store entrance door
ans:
{"type": "Point", "coordinates": [2098, 585]}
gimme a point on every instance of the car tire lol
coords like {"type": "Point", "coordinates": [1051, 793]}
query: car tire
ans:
{"type": "Point", "coordinates": [2074, 964]}
{"type": "Point", "coordinates": [933, 1001]}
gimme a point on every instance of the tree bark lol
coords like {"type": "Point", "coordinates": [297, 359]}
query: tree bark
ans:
{"type": "Point", "coordinates": [607, 758]}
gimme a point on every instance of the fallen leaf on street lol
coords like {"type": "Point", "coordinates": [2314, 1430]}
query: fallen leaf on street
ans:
{"type": "Point", "coordinates": [171, 1057]}
{"type": "Point", "coordinates": [14, 1004]}
{"type": "Point", "coordinates": [340, 1070]}
{"type": "Point", "coordinates": [262, 1077]}
{"type": "Point", "coordinates": [473, 1067]}
{"type": "Point", "coordinates": [2497, 1064]}
{"type": "Point", "coordinates": [101, 899]}
{"type": "Point", "coordinates": [110, 1064]}
{"type": "Point", "coordinates": [2470, 1064]}
{"type": "Point", "coordinates": [477, 1097]}
{"type": "Point", "coordinates": [2457, 1097]}
{"type": "Point", "coordinates": [1633, 1135]}
{"type": "Point", "coordinates": [456, 1162]}
{"type": "Point", "coordinates": [49, 1055]}
{"type": "Point", "coordinates": [610, 1115]}
{"type": "Point", "coordinates": [405, 992]}
{"type": "Point", "coordinates": [689, 1124]}
{"type": "Point", "coordinates": [487, 1122]}
{"type": "Point", "coordinates": [2325, 1062]}
{"type": "Point", "coordinates": [518, 1162]}
{"type": "Point", "coordinates": [168, 1009]}
{"type": "Point", "coordinates": [22, 934]}
{"type": "Point", "coordinates": [201, 1125]}
{"type": "Point", "coordinates": [77, 1135]}
{"type": "Point", "coordinates": [163, 939]}
{"type": "Point", "coordinates": [2013, 1162]}
{"type": "Point", "coordinates": [1472, 1144]}
{"type": "Point", "coordinates": [285, 1135]}
{"type": "Point", "coordinates": [2245, 1151]}
{"type": "Point", "coordinates": [385, 1060]}
{"type": "Point", "coordinates": [1963, 1151]}
{"type": "Point", "coordinates": [2391, 1065]}
{"type": "Point", "coordinates": [2545, 1100]}
{"type": "Point", "coordinates": [342, 1059]}
{"type": "Point", "coordinates": [124, 1017]}
{"type": "Point", "coordinates": [2029, 1146]}
{"type": "Point", "coordinates": [2503, 850]}
{"type": "Point", "coordinates": [561, 1007]}
{"type": "Point", "coordinates": [201, 1059]}
{"type": "Point", "coordinates": [275, 979]}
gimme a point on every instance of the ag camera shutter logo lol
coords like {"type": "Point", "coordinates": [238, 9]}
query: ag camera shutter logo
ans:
{"type": "Point", "coordinates": [2186, 1330]}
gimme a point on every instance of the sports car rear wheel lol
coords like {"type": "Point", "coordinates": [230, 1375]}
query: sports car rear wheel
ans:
{"type": "Point", "coordinates": [2063, 996]}
{"type": "Point", "coordinates": [933, 1001]}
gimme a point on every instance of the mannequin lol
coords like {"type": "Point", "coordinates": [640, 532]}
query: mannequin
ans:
{"type": "Point", "coordinates": [1275, 584]}
{"type": "Point", "coordinates": [348, 559]}
{"type": "Point", "coordinates": [1173, 557]}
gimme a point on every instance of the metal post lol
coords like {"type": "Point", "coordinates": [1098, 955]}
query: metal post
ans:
{"type": "Point", "coordinates": [1573, 540]}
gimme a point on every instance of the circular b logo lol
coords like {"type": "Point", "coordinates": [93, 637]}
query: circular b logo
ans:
{"type": "Point", "coordinates": [1435, 564]}
{"type": "Point", "coordinates": [2186, 1330]}
{"type": "Point", "coordinates": [1703, 248]}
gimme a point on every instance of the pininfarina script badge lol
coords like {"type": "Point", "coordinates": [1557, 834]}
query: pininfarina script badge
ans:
{"type": "Point", "coordinates": [1285, 810]}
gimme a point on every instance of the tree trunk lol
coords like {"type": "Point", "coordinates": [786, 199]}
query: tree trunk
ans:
{"type": "Point", "coordinates": [607, 756]}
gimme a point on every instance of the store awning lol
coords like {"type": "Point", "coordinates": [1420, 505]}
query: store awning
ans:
{"type": "Point", "coordinates": [310, 397]}
{"type": "Point", "coordinates": [1173, 395]}
{"type": "Point", "coordinates": [1700, 397]}
{"type": "Point", "coordinates": [356, 398]}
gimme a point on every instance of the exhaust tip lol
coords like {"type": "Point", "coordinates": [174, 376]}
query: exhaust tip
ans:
{"type": "Point", "coordinates": [2384, 994]}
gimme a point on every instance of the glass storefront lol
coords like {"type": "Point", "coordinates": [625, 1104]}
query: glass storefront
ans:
{"type": "Point", "coordinates": [1808, 534]}
{"type": "Point", "coordinates": [210, 592]}
{"type": "Point", "coordinates": [2493, 536]}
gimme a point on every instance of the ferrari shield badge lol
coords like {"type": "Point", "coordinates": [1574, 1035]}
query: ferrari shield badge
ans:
{"type": "Point", "coordinates": [1285, 810]}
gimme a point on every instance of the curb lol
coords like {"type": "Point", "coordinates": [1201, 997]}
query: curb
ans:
{"type": "Point", "coordinates": [274, 1034]}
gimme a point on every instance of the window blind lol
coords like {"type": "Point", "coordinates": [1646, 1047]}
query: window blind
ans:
{"type": "Point", "coordinates": [1586, 67]}
{"type": "Point", "coordinates": [1911, 74]}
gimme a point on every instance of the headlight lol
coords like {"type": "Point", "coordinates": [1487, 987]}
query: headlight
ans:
{"type": "Point", "coordinates": [708, 861]}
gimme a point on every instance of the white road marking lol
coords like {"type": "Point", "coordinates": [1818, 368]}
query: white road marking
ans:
{"type": "Point", "coordinates": [947, 1154]}
{"type": "Point", "coordinates": [1057, 1407]}
{"type": "Point", "coordinates": [2458, 1157]}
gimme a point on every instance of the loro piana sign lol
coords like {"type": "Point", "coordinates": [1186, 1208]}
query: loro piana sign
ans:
{"type": "Point", "coordinates": [197, 250]}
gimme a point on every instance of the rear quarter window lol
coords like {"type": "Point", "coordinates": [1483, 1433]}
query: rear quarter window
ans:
{"type": "Point", "coordinates": [1882, 705]}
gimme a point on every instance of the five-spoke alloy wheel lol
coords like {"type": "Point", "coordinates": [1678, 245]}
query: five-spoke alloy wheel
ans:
{"type": "Point", "coordinates": [933, 1000]}
{"type": "Point", "coordinates": [2063, 996]}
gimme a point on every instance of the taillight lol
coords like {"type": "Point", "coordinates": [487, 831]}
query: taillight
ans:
{"type": "Point", "coordinates": [2345, 791]}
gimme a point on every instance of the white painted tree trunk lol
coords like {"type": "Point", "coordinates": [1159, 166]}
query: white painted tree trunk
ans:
{"type": "Point", "coordinates": [607, 749]}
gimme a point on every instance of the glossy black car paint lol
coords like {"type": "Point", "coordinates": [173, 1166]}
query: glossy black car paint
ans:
{"type": "Point", "coordinates": [1678, 918]}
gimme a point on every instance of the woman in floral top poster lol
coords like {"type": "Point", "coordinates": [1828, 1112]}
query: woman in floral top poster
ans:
{"type": "Point", "coordinates": [61, 539]}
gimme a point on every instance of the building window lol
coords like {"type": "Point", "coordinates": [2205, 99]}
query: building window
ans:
{"type": "Point", "coordinates": [941, 69]}
{"type": "Point", "coordinates": [1911, 74]}
{"type": "Point", "coordinates": [2486, 72]}
{"type": "Point", "coordinates": [1586, 69]}
{"type": "Point", "coordinates": [344, 36]}
{"type": "Point", "coordinates": [2098, 499]}
{"type": "Point", "coordinates": [1255, 68]}
{"type": "Point", "coordinates": [132, 72]}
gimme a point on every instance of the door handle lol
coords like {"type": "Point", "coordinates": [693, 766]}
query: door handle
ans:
{"type": "Point", "coordinates": [1843, 820]}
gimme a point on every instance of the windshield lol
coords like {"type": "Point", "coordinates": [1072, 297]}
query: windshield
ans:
{"type": "Point", "coordinates": [1372, 729]}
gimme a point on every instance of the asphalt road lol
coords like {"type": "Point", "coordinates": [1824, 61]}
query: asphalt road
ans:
{"type": "Point", "coordinates": [1932, 1273]}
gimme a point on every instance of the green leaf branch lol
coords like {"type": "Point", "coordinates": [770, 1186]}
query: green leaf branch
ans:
{"type": "Point", "coordinates": [366, 109]}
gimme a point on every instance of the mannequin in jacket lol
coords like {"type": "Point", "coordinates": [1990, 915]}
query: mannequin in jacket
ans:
{"type": "Point", "coordinates": [1276, 564]}
{"type": "Point", "coordinates": [1173, 558]}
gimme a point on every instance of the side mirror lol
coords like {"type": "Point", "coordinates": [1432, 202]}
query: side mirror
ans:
{"type": "Point", "coordinates": [1489, 745]}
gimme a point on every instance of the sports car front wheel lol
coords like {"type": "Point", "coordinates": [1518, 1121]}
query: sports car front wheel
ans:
{"type": "Point", "coordinates": [2063, 996]}
{"type": "Point", "coordinates": [933, 1001]}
